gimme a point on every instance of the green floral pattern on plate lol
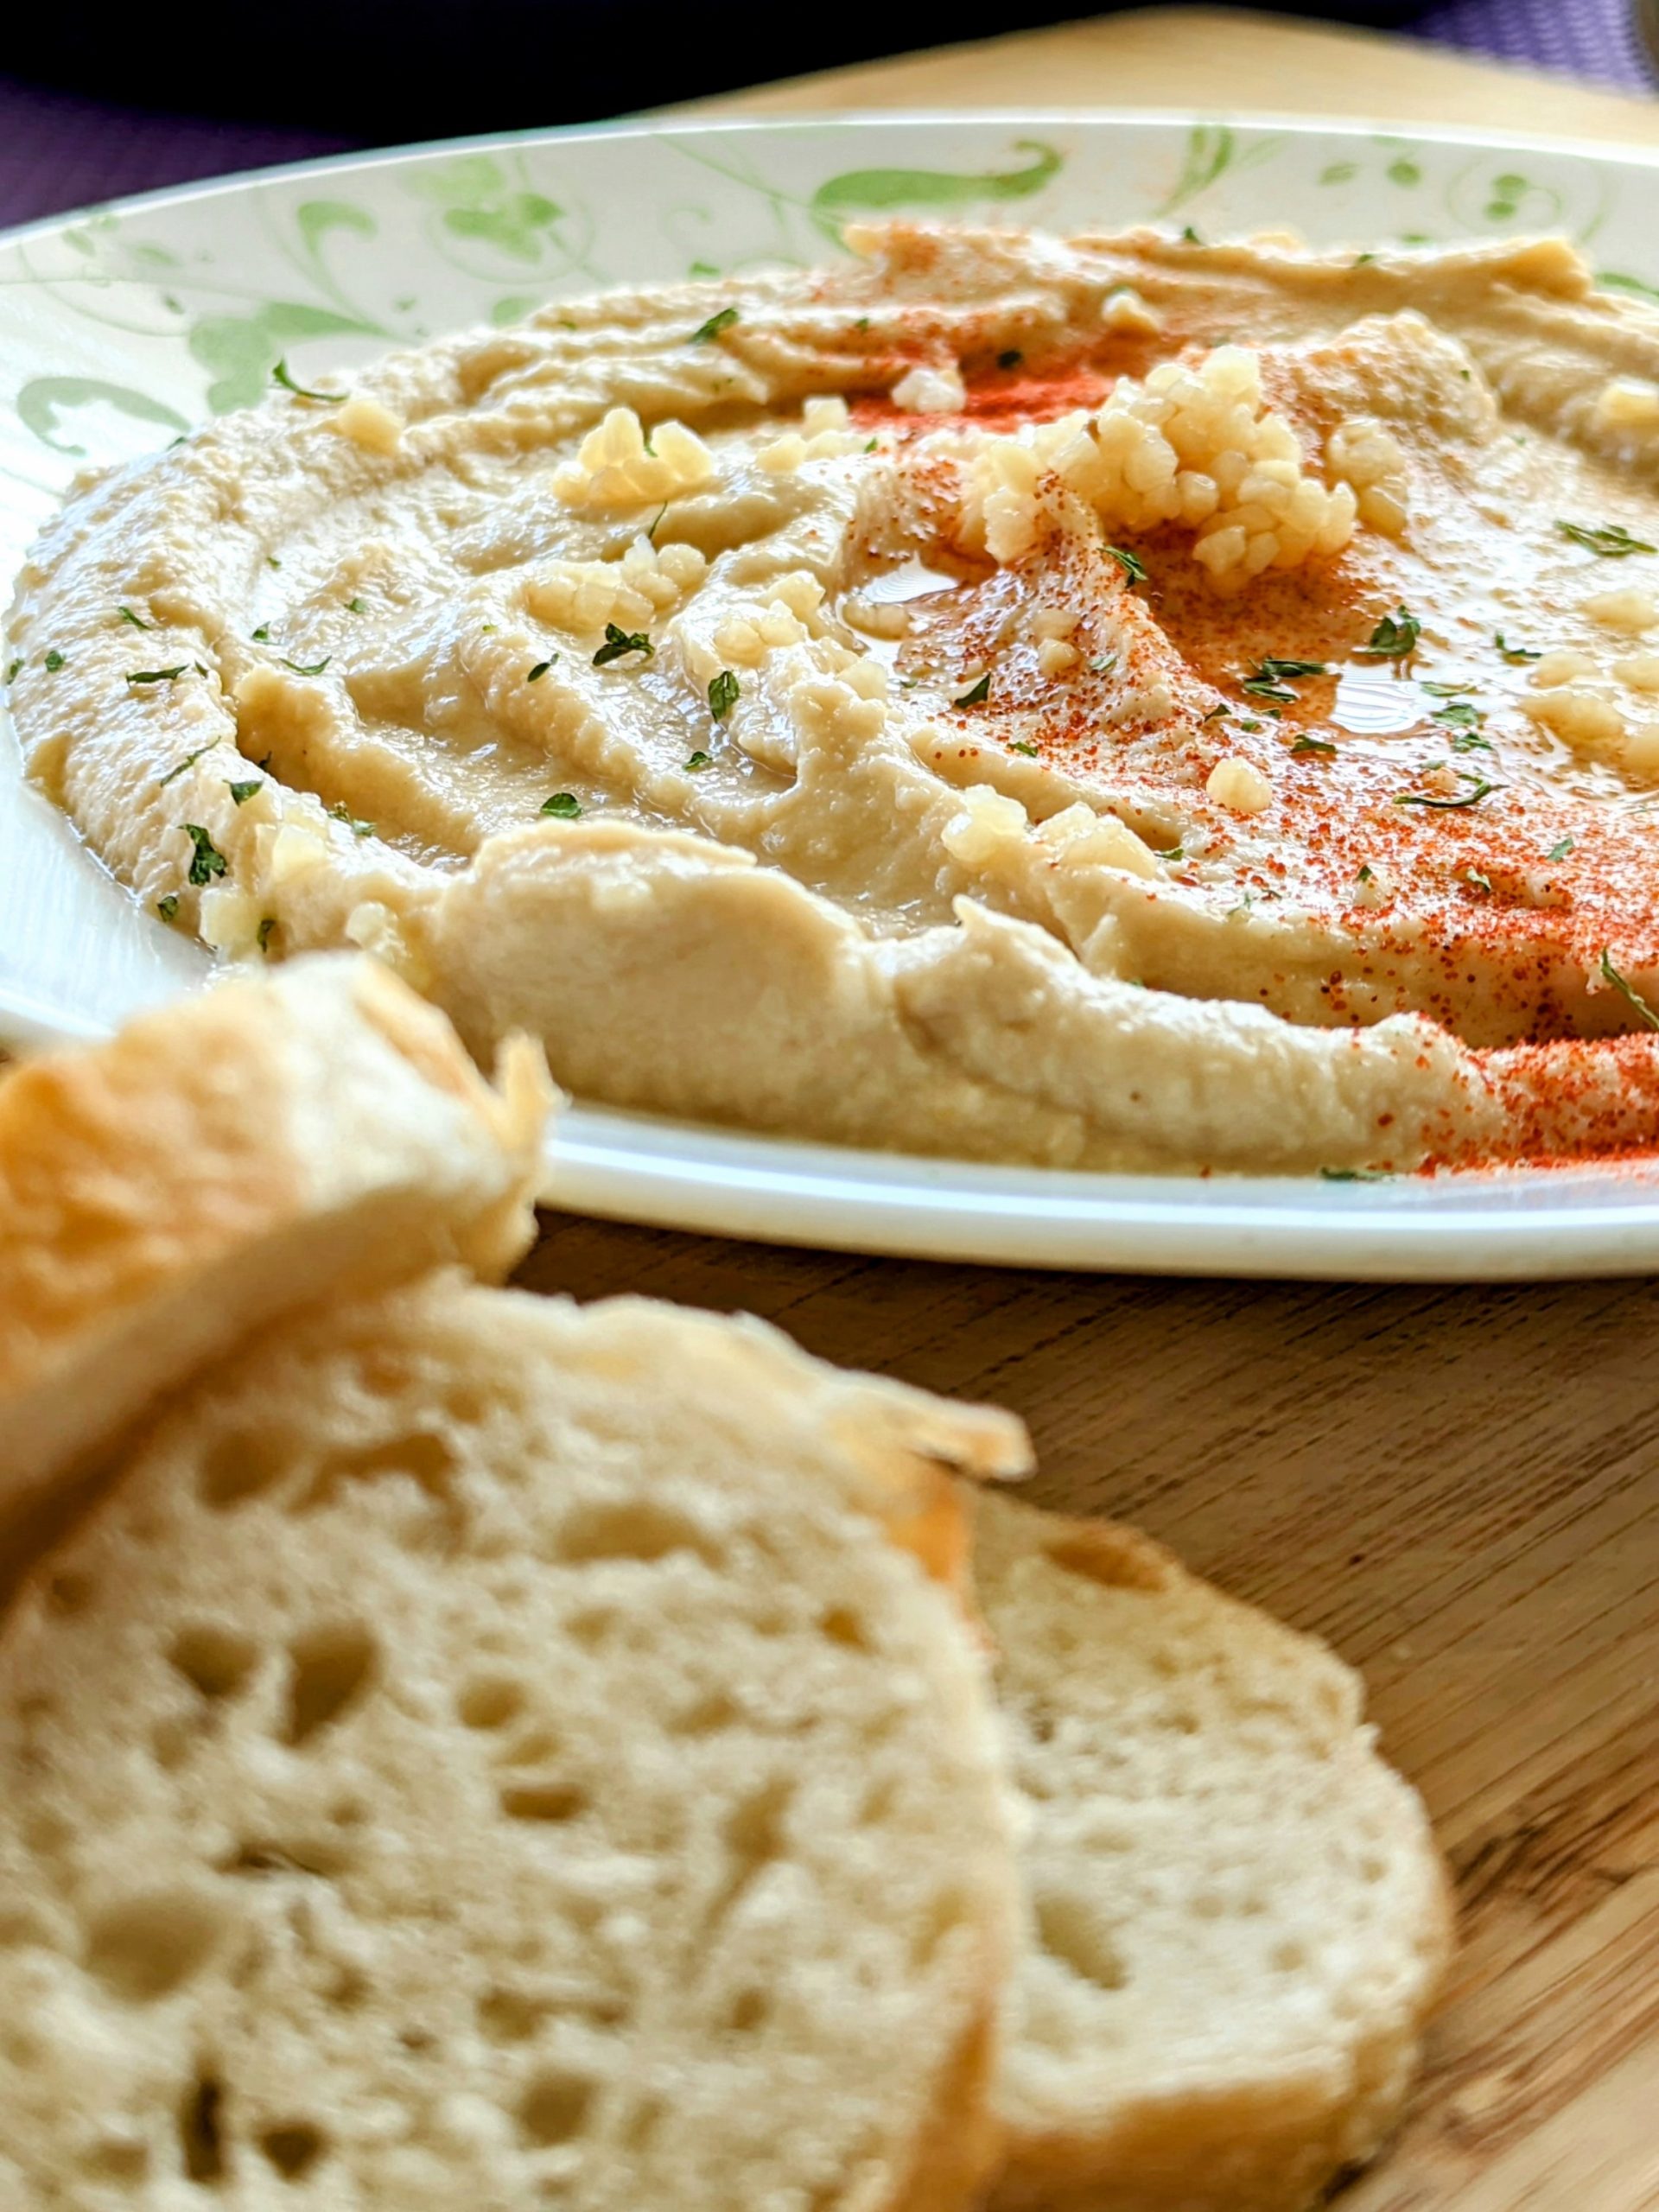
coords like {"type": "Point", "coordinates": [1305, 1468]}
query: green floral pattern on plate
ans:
{"type": "Point", "coordinates": [119, 326]}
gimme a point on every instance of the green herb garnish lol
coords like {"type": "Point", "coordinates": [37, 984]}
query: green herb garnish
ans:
{"type": "Point", "coordinates": [262, 933]}
{"type": "Point", "coordinates": [1459, 714]}
{"type": "Point", "coordinates": [1477, 882]}
{"type": "Point", "coordinates": [156, 674]}
{"type": "Point", "coordinates": [136, 620]}
{"type": "Point", "coordinates": [980, 693]}
{"type": "Point", "coordinates": [699, 759]}
{"type": "Point", "coordinates": [712, 328]}
{"type": "Point", "coordinates": [1468, 798]}
{"type": "Point", "coordinates": [281, 375]}
{"type": "Point", "coordinates": [53, 661]}
{"type": "Point", "coordinates": [618, 642]}
{"type": "Point", "coordinates": [1022, 745]}
{"type": "Point", "coordinates": [1354, 1174]}
{"type": "Point", "coordinates": [262, 633]}
{"type": "Point", "coordinates": [188, 761]}
{"type": "Point", "coordinates": [1262, 687]}
{"type": "Point", "coordinates": [1444, 690]}
{"type": "Point", "coordinates": [1559, 852]}
{"type": "Point", "coordinates": [1312, 745]}
{"type": "Point", "coordinates": [1131, 564]}
{"type": "Point", "coordinates": [340, 812]}
{"type": "Point", "coordinates": [1274, 671]}
{"type": "Point", "coordinates": [1611, 540]}
{"type": "Point", "coordinates": [1104, 664]}
{"type": "Point", "coordinates": [565, 806]}
{"type": "Point", "coordinates": [1189, 236]}
{"type": "Point", "coordinates": [167, 906]}
{"type": "Point", "coordinates": [723, 694]}
{"type": "Point", "coordinates": [1612, 975]}
{"type": "Point", "coordinates": [243, 792]}
{"type": "Point", "coordinates": [207, 861]}
{"type": "Point", "coordinates": [315, 669]}
{"type": "Point", "coordinates": [1395, 637]}
{"type": "Point", "coordinates": [353, 607]}
{"type": "Point", "coordinates": [538, 671]}
{"type": "Point", "coordinates": [1514, 654]}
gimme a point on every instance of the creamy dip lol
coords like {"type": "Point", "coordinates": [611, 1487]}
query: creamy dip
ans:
{"type": "Point", "coordinates": [1115, 702]}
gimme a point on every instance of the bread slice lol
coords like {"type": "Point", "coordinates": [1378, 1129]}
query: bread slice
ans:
{"type": "Point", "coordinates": [1239, 1921]}
{"type": "Point", "coordinates": [221, 1161]}
{"type": "Point", "coordinates": [486, 1754]}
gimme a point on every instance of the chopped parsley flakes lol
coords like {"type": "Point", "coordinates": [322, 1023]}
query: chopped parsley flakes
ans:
{"type": "Point", "coordinates": [1481, 790]}
{"type": "Point", "coordinates": [564, 806]}
{"type": "Point", "coordinates": [156, 674]}
{"type": "Point", "coordinates": [1459, 714]}
{"type": "Point", "coordinates": [1514, 654]}
{"type": "Point", "coordinates": [1021, 745]}
{"type": "Point", "coordinates": [263, 931]}
{"type": "Point", "coordinates": [699, 759]}
{"type": "Point", "coordinates": [315, 668]}
{"type": "Point", "coordinates": [167, 906]}
{"type": "Point", "coordinates": [340, 812]}
{"type": "Point", "coordinates": [1611, 540]}
{"type": "Point", "coordinates": [617, 642]}
{"type": "Point", "coordinates": [206, 860]}
{"type": "Point", "coordinates": [1312, 745]}
{"type": "Point", "coordinates": [53, 661]}
{"type": "Point", "coordinates": [1395, 637]}
{"type": "Point", "coordinates": [1610, 973]}
{"type": "Point", "coordinates": [712, 328]}
{"type": "Point", "coordinates": [724, 692]}
{"type": "Point", "coordinates": [282, 374]}
{"type": "Point", "coordinates": [1559, 852]}
{"type": "Point", "coordinates": [1131, 564]}
{"type": "Point", "coordinates": [188, 761]}
{"type": "Point", "coordinates": [978, 695]}
{"type": "Point", "coordinates": [243, 792]}
{"type": "Point", "coordinates": [126, 614]}
{"type": "Point", "coordinates": [539, 671]}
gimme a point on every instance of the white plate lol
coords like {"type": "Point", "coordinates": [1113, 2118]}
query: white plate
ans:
{"type": "Point", "coordinates": [119, 327]}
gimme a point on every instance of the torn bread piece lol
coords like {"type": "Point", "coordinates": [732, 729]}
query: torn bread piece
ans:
{"type": "Point", "coordinates": [483, 1752]}
{"type": "Point", "coordinates": [223, 1160]}
{"type": "Point", "coordinates": [1238, 1919]}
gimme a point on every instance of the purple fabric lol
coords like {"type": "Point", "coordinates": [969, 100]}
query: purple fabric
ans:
{"type": "Point", "coordinates": [1594, 39]}
{"type": "Point", "coordinates": [59, 150]}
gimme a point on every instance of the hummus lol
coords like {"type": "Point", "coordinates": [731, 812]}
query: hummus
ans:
{"type": "Point", "coordinates": [1118, 701]}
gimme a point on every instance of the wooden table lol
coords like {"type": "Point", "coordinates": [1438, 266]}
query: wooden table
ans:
{"type": "Point", "coordinates": [1459, 1488]}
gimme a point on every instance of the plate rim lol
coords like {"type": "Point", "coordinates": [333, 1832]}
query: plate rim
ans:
{"type": "Point", "coordinates": [659, 123]}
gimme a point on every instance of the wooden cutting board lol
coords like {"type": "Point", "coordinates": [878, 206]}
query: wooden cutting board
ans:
{"type": "Point", "coordinates": [1460, 1488]}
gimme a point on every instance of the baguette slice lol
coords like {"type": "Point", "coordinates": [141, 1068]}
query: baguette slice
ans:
{"type": "Point", "coordinates": [486, 1754]}
{"type": "Point", "coordinates": [1239, 1920]}
{"type": "Point", "coordinates": [222, 1160]}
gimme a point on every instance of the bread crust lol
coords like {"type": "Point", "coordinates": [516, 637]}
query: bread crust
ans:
{"type": "Point", "coordinates": [1276, 2140]}
{"type": "Point", "coordinates": [221, 1159]}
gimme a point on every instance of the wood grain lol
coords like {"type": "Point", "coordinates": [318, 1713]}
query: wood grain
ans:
{"type": "Point", "coordinates": [1460, 1488]}
{"type": "Point", "coordinates": [1218, 58]}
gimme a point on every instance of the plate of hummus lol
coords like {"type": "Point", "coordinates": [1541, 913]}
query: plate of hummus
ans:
{"type": "Point", "coordinates": [1069, 689]}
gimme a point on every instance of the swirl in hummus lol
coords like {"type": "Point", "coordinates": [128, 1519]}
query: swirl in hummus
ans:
{"type": "Point", "coordinates": [1114, 701]}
